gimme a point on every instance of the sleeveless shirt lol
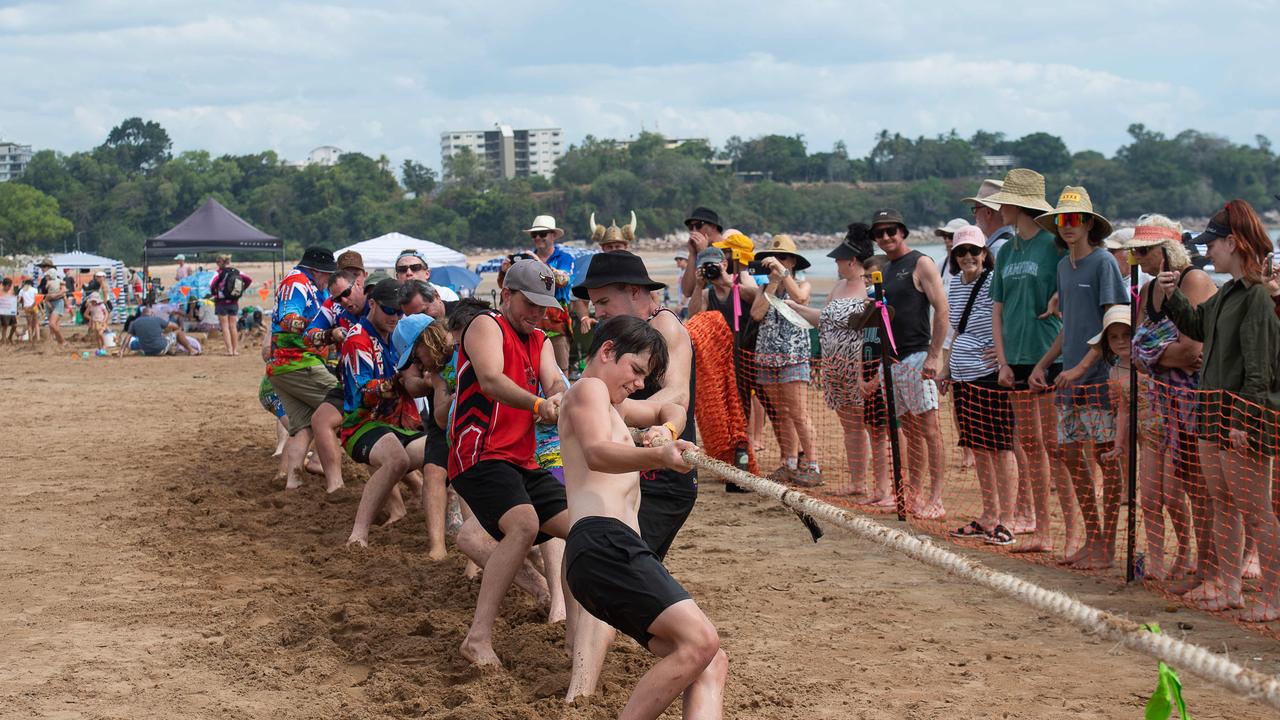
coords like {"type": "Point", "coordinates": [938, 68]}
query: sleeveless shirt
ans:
{"type": "Point", "coordinates": [483, 428]}
{"type": "Point", "coordinates": [667, 481]}
{"type": "Point", "coordinates": [910, 323]}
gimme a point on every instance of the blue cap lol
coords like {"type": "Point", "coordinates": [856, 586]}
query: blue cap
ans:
{"type": "Point", "coordinates": [407, 331]}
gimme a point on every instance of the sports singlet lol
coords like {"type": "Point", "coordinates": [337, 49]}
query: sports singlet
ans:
{"type": "Point", "coordinates": [483, 428]}
{"type": "Point", "coordinates": [910, 323]}
{"type": "Point", "coordinates": [669, 479]}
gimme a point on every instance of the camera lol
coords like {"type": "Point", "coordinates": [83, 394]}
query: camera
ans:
{"type": "Point", "coordinates": [710, 271]}
{"type": "Point", "coordinates": [757, 268]}
{"type": "Point", "coordinates": [521, 256]}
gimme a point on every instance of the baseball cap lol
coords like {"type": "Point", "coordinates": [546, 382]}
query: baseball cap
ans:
{"type": "Point", "coordinates": [1219, 227]}
{"type": "Point", "coordinates": [386, 293]}
{"type": "Point", "coordinates": [534, 280]}
{"type": "Point", "coordinates": [710, 255]}
{"type": "Point", "coordinates": [407, 332]}
{"type": "Point", "coordinates": [413, 253]}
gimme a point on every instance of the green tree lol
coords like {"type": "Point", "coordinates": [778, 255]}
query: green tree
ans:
{"type": "Point", "coordinates": [137, 145]}
{"type": "Point", "coordinates": [1044, 152]}
{"type": "Point", "coordinates": [29, 219]}
{"type": "Point", "coordinates": [466, 169]}
{"type": "Point", "coordinates": [418, 178]}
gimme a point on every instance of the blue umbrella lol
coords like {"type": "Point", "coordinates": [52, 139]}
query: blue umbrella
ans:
{"type": "Point", "coordinates": [580, 265]}
{"type": "Point", "coordinates": [198, 282]}
{"type": "Point", "coordinates": [455, 277]}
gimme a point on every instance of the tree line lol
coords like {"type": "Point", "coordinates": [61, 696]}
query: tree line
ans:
{"type": "Point", "coordinates": [112, 197]}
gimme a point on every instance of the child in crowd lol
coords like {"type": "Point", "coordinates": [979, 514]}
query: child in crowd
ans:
{"type": "Point", "coordinates": [96, 314]}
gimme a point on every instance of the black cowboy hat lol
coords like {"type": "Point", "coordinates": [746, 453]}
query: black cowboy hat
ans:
{"type": "Point", "coordinates": [615, 268]}
{"type": "Point", "coordinates": [318, 259]}
{"type": "Point", "coordinates": [706, 215]}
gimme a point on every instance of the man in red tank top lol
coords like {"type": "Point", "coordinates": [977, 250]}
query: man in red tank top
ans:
{"type": "Point", "coordinates": [502, 359]}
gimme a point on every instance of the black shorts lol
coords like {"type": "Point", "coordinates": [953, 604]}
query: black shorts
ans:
{"type": "Point", "coordinates": [1021, 373]}
{"type": "Point", "coordinates": [336, 399]}
{"type": "Point", "coordinates": [226, 308]}
{"type": "Point", "coordinates": [360, 448]}
{"type": "Point", "coordinates": [492, 487]}
{"type": "Point", "coordinates": [437, 445]}
{"type": "Point", "coordinates": [666, 499]}
{"type": "Point", "coordinates": [8, 320]}
{"type": "Point", "coordinates": [617, 578]}
{"type": "Point", "coordinates": [984, 413]}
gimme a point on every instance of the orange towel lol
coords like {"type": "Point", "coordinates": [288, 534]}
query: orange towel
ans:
{"type": "Point", "coordinates": [721, 421]}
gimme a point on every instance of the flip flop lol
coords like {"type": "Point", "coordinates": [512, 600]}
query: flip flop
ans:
{"type": "Point", "coordinates": [970, 531]}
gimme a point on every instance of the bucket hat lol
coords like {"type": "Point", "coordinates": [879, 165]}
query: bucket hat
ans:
{"type": "Point", "coordinates": [889, 216]}
{"type": "Point", "coordinates": [351, 260]}
{"type": "Point", "coordinates": [784, 245]}
{"type": "Point", "coordinates": [545, 223]}
{"type": "Point", "coordinates": [1022, 188]}
{"type": "Point", "coordinates": [988, 188]}
{"type": "Point", "coordinates": [1114, 314]}
{"type": "Point", "coordinates": [739, 246]}
{"type": "Point", "coordinates": [1075, 199]}
{"type": "Point", "coordinates": [706, 215]}
{"type": "Point", "coordinates": [615, 268]}
{"type": "Point", "coordinates": [318, 259]}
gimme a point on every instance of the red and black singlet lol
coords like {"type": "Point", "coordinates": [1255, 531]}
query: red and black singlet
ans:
{"type": "Point", "coordinates": [483, 428]}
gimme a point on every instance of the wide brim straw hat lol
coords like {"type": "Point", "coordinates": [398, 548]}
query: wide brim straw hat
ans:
{"type": "Point", "coordinates": [1022, 188]}
{"type": "Point", "coordinates": [1148, 235]}
{"type": "Point", "coordinates": [1114, 314]}
{"type": "Point", "coordinates": [545, 223]}
{"type": "Point", "coordinates": [1075, 199]}
{"type": "Point", "coordinates": [784, 245]}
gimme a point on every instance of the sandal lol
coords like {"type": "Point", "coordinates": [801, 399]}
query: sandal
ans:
{"type": "Point", "coordinates": [972, 530]}
{"type": "Point", "coordinates": [1000, 536]}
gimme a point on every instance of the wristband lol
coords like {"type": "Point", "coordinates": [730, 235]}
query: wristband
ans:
{"type": "Point", "coordinates": [672, 428]}
{"type": "Point", "coordinates": [537, 402]}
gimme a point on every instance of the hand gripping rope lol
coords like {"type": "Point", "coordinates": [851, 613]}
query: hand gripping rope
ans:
{"type": "Point", "coordinates": [1195, 659]}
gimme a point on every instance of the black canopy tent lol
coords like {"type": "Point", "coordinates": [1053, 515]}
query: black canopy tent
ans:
{"type": "Point", "coordinates": [212, 228]}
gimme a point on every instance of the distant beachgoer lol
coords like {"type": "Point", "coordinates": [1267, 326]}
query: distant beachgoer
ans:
{"type": "Point", "coordinates": [8, 311]}
{"type": "Point", "coordinates": [705, 230]}
{"type": "Point", "coordinates": [227, 286]}
{"type": "Point", "coordinates": [184, 270]}
{"type": "Point", "coordinates": [1024, 291]}
{"type": "Point", "coordinates": [53, 287]}
{"type": "Point", "coordinates": [412, 265]}
{"type": "Point", "coordinates": [782, 362]}
{"type": "Point", "coordinates": [1088, 283]}
{"type": "Point", "coordinates": [913, 288]}
{"type": "Point", "coordinates": [987, 216]}
{"type": "Point", "coordinates": [154, 336]}
{"type": "Point", "coordinates": [420, 297]}
{"type": "Point", "coordinates": [1239, 401]}
{"type": "Point", "coordinates": [97, 315]}
{"type": "Point", "coordinates": [30, 310]}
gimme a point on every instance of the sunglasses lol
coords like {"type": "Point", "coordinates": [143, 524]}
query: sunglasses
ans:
{"type": "Point", "coordinates": [694, 224]}
{"type": "Point", "coordinates": [539, 234]}
{"type": "Point", "coordinates": [416, 267]}
{"type": "Point", "coordinates": [1070, 219]}
{"type": "Point", "coordinates": [1142, 251]}
{"type": "Point", "coordinates": [393, 311]}
{"type": "Point", "coordinates": [344, 294]}
{"type": "Point", "coordinates": [884, 232]}
{"type": "Point", "coordinates": [967, 250]}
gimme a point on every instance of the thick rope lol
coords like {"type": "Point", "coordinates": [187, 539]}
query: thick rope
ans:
{"type": "Point", "coordinates": [1182, 655]}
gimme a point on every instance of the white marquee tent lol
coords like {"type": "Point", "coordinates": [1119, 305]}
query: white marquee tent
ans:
{"type": "Point", "coordinates": [77, 261]}
{"type": "Point", "coordinates": [381, 252]}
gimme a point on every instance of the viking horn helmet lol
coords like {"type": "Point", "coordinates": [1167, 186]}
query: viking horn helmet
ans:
{"type": "Point", "coordinates": [612, 234]}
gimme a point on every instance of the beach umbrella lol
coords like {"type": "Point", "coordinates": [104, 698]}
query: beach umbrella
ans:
{"type": "Point", "coordinates": [580, 265]}
{"type": "Point", "coordinates": [194, 284]}
{"type": "Point", "coordinates": [455, 277]}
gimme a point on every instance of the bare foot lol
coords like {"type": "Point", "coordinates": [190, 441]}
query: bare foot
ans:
{"type": "Point", "coordinates": [1033, 544]}
{"type": "Point", "coordinates": [1022, 526]}
{"type": "Point", "coordinates": [472, 570]}
{"type": "Point", "coordinates": [880, 503]}
{"type": "Point", "coordinates": [394, 516]}
{"type": "Point", "coordinates": [313, 465]}
{"type": "Point", "coordinates": [1219, 601]}
{"type": "Point", "coordinates": [1075, 557]}
{"type": "Point", "coordinates": [1203, 590]}
{"type": "Point", "coordinates": [932, 511]}
{"type": "Point", "coordinates": [1252, 568]}
{"type": "Point", "coordinates": [358, 541]}
{"type": "Point", "coordinates": [1259, 611]}
{"type": "Point", "coordinates": [436, 554]}
{"type": "Point", "coordinates": [479, 653]}
{"type": "Point", "coordinates": [850, 492]}
{"type": "Point", "coordinates": [555, 614]}
{"type": "Point", "coordinates": [292, 481]}
{"type": "Point", "coordinates": [334, 486]}
{"type": "Point", "coordinates": [1093, 562]}
{"type": "Point", "coordinates": [968, 458]}
{"type": "Point", "coordinates": [1184, 586]}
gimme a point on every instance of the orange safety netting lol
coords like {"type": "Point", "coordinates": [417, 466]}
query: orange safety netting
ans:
{"type": "Point", "coordinates": [1049, 467]}
{"type": "Point", "coordinates": [722, 425]}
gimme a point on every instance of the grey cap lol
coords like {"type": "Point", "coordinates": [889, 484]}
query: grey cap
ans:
{"type": "Point", "coordinates": [535, 280]}
{"type": "Point", "coordinates": [710, 255]}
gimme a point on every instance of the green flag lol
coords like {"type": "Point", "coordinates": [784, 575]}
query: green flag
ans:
{"type": "Point", "coordinates": [1168, 694]}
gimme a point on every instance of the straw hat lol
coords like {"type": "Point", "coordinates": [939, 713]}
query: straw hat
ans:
{"type": "Point", "coordinates": [1022, 188]}
{"type": "Point", "coordinates": [784, 245]}
{"type": "Point", "coordinates": [1114, 314]}
{"type": "Point", "coordinates": [988, 188]}
{"type": "Point", "coordinates": [1118, 240]}
{"type": "Point", "coordinates": [1148, 235]}
{"type": "Point", "coordinates": [45, 263]}
{"type": "Point", "coordinates": [545, 223]}
{"type": "Point", "coordinates": [1075, 199]}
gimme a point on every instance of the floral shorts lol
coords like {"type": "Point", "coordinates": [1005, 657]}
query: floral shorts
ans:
{"type": "Point", "coordinates": [1086, 423]}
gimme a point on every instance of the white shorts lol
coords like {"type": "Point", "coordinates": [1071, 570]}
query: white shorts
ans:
{"type": "Point", "coordinates": [912, 394]}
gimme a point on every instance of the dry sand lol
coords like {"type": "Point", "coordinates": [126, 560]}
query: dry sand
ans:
{"type": "Point", "coordinates": [150, 568]}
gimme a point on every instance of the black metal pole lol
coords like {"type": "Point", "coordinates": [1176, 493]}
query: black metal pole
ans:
{"type": "Point", "coordinates": [886, 364]}
{"type": "Point", "coordinates": [1131, 554]}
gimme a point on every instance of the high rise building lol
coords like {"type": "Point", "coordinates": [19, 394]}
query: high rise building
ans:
{"type": "Point", "coordinates": [13, 160]}
{"type": "Point", "coordinates": [506, 152]}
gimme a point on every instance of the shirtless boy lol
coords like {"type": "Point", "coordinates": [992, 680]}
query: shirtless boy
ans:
{"type": "Point", "coordinates": [610, 569]}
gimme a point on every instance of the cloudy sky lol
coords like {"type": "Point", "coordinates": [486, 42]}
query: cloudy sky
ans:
{"type": "Point", "coordinates": [389, 77]}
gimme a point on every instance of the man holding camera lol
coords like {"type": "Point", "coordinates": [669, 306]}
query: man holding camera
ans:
{"type": "Point", "coordinates": [705, 229]}
{"type": "Point", "coordinates": [724, 284]}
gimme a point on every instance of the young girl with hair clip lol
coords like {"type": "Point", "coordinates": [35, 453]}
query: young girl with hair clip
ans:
{"type": "Point", "coordinates": [1237, 413]}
